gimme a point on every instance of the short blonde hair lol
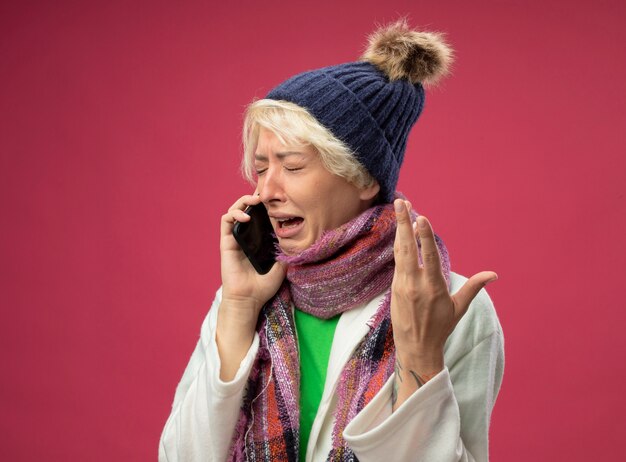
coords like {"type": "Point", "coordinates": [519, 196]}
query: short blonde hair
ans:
{"type": "Point", "coordinates": [295, 126]}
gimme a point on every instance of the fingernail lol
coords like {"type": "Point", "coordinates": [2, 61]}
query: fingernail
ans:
{"type": "Point", "coordinates": [421, 222]}
{"type": "Point", "coordinates": [398, 205]}
{"type": "Point", "coordinates": [494, 279]}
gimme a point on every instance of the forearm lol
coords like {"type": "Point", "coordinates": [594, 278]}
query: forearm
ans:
{"type": "Point", "coordinates": [235, 332]}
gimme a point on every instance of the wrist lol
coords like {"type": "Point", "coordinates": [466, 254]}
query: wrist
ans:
{"type": "Point", "coordinates": [236, 323]}
{"type": "Point", "coordinates": [411, 373]}
{"type": "Point", "coordinates": [425, 364]}
{"type": "Point", "coordinates": [239, 312]}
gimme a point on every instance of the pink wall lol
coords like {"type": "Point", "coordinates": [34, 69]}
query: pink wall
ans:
{"type": "Point", "coordinates": [119, 145]}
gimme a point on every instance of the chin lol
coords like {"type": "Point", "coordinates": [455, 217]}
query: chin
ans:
{"type": "Point", "coordinates": [292, 248]}
{"type": "Point", "coordinates": [288, 249]}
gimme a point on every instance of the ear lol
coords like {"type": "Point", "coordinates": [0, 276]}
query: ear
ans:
{"type": "Point", "coordinates": [369, 192]}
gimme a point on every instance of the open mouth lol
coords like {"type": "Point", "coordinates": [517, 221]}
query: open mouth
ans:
{"type": "Point", "coordinates": [288, 227]}
{"type": "Point", "coordinates": [289, 222]}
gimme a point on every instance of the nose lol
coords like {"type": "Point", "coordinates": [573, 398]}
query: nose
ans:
{"type": "Point", "coordinates": [270, 186]}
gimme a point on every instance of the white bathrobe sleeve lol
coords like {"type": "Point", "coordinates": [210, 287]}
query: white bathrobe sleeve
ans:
{"type": "Point", "coordinates": [205, 409]}
{"type": "Point", "coordinates": [447, 419]}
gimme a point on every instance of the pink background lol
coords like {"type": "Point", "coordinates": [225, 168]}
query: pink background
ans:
{"type": "Point", "coordinates": [119, 148]}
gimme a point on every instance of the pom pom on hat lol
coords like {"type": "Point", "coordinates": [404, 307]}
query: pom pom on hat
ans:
{"type": "Point", "coordinates": [402, 53]}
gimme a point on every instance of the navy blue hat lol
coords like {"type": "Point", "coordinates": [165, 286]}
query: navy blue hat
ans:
{"type": "Point", "coordinates": [372, 104]}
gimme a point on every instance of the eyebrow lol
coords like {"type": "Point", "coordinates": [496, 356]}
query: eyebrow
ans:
{"type": "Point", "coordinates": [280, 155]}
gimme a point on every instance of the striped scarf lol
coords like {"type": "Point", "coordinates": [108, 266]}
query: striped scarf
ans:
{"type": "Point", "coordinates": [344, 269]}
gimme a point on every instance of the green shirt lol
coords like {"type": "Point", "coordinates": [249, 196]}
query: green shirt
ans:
{"type": "Point", "coordinates": [315, 337]}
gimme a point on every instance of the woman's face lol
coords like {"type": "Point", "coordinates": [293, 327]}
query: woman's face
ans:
{"type": "Point", "coordinates": [302, 198]}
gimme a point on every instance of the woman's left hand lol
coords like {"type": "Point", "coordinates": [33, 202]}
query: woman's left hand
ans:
{"type": "Point", "coordinates": [423, 313]}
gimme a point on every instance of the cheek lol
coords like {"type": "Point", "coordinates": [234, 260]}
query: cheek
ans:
{"type": "Point", "coordinates": [327, 189]}
{"type": "Point", "coordinates": [310, 196]}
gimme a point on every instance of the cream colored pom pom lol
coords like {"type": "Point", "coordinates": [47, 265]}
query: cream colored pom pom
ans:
{"type": "Point", "coordinates": [402, 53]}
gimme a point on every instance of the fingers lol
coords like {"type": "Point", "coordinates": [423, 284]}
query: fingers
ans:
{"type": "Point", "coordinates": [404, 247]}
{"type": "Point", "coordinates": [238, 215]}
{"type": "Point", "coordinates": [244, 201]}
{"type": "Point", "coordinates": [430, 253]}
{"type": "Point", "coordinates": [236, 212]}
{"type": "Point", "coordinates": [464, 296]}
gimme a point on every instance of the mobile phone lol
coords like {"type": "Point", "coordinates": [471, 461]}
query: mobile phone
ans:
{"type": "Point", "coordinates": [256, 238]}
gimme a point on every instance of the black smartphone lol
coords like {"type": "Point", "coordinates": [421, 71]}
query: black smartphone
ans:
{"type": "Point", "coordinates": [256, 238]}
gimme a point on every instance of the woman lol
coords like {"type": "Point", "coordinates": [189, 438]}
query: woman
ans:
{"type": "Point", "coordinates": [351, 347]}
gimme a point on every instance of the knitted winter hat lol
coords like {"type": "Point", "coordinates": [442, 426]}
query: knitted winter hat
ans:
{"type": "Point", "coordinates": [372, 104]}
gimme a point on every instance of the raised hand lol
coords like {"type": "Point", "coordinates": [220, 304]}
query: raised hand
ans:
{"type": "Point", "coordinates": [423, 313]}
{"type": "Point", "coordinates": [244, 292]}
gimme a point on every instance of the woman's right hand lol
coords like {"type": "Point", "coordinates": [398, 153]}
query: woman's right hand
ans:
{"type": "Point", "coordinates": [244, 292]}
